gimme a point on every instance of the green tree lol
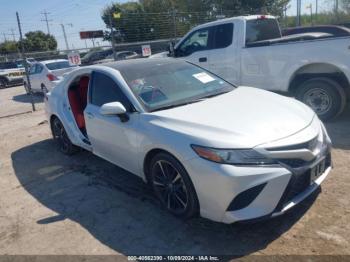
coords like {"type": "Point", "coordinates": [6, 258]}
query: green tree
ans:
{"type": "Point", "coordinates": [160, 19]}
{"type": "Point", "coordinates": [8, 47]}
{"type": "Point", "coordinates": [39, 41]}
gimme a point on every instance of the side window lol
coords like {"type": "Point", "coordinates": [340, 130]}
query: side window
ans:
{"type": "Point", "coordinates": [105, 90]}
{"type": "Point", "coordinates": [38, 69]}
{"type": "Point", "coordinates": [32, 69]}
{"type": "Point", "coordinates": [223, 36]}
{"type": "Point", "coordinates": [197, 41]}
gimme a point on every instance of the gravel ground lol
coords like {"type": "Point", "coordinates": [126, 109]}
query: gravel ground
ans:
{"type": "Point", "coordinates": [83, 205]}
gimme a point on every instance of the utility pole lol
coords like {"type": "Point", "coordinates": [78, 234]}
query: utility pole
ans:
{"type": "Point", "coordinates": [336, 9]}
{"type": "Point", "coordinates": [13, 34]}
{"type": "Point", "coordinates": [5, 39]}
{"type": "Point", "coordinates": [298, 12]}
{"type": "Point", "coordinates": [316, 10]}
{"type": "Point", "coordinates": [65, 36]}
{"type": "Point", "coordinates": [29, 87]}
{"type": "Point", "coordinates": [174, 22]}
{"type": "Point", "coordinates": [310, 7]}
{"type": "Point", "coordinates": [46, 20]}
{"type": "Point", "coordinates": [112, 35]}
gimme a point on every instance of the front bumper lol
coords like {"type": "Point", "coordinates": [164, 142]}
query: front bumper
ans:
{"type": "Point", "coordinates": [280, 187]}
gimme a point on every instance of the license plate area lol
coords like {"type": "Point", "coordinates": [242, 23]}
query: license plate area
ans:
{"type": "Point", "coordinates": [317, 170]}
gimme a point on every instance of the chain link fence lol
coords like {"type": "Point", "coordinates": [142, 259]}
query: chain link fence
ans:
{"type": "Point", "coordinates": [132, 30]}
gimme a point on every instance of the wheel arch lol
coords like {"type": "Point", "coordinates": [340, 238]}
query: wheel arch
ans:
{"type": "Point", "coordinates": [148, 157]}
{"type": "Point", "coordinates": [153, 152]}
{"type": "Point", "coordinates": [6, 80]}
{"type": "Point", "coordinates": [52, 118]}
{"type": "Point", "coordinates": [316, 70]}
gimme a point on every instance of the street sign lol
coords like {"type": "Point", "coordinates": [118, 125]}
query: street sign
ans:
{"type": "Point", "coordinates": [146, 50]}
{"type": "Point", "coordinates": [74, 58]}
{"type": "Point", "coordinates": [91, 34]}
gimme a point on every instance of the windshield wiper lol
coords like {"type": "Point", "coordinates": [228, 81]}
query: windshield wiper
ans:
{"type": "Point", "coordinates": [216, 94]}
{"type": "Point", "coordinates": [177, 105]}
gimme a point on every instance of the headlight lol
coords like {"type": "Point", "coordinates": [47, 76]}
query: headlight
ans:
{"type": "Point", "coordinates": [233, 156]}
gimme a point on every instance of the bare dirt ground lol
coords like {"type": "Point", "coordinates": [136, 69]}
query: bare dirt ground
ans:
{"type": "Point", "coordinates": [54, 204]}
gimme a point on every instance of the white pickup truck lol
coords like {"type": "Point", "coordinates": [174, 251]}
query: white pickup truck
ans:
{"type": "Point", "coordinates": [250, 50]}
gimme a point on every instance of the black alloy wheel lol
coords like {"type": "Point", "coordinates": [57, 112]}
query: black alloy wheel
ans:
{"type": "Point", "coordinates": [173, 186]}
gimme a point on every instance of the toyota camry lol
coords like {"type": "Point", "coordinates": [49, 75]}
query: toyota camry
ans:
{"type": "Point", "coordinates": [204, 146]}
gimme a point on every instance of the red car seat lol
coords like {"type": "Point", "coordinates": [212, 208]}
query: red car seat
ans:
{"type": "Point", "coordinates": [78, 100]}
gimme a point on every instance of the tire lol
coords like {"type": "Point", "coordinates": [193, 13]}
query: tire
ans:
{"type": "Point", "coordinates": [60, 136]}
{"type": "Point", "coordinates": [173, 186]}
{"type": "Point", "coordinates": [3, 83]}
{"type": "Point", "coordinates": [325, 96]}
{"type": "Point", "coordinates": [44, 89]}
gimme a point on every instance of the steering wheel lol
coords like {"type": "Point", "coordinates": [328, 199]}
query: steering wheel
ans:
{"type": "Point", "coordinates": [195, 45]}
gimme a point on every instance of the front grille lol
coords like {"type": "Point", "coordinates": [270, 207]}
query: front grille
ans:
{"type": "Point", "coordinates": [311, 144]}
{"type": "Point", "coordinates": [299, 183]}
{"type": "Point", "coordinates": [293, 163]}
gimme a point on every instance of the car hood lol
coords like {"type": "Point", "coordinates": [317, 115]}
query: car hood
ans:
{"type": "Point", "coordinates": [243, 118]}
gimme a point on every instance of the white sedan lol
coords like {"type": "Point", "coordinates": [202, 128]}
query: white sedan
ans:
{"type": "Point", "coordinates": [205, 146]}
{"type": "Point", "coordinates": [45, 75]}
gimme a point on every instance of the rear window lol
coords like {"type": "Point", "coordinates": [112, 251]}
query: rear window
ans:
{"type": "Point", "coordinates": [262, 29]}
{"type": "Point", "coordinates": [58, 65]}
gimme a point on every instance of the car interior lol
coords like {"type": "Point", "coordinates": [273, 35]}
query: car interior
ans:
{"type": "Point", "coordinates": [77, 95]}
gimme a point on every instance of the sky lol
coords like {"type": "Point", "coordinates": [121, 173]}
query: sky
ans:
{"type": "Point", "coordinates": [76, 15]}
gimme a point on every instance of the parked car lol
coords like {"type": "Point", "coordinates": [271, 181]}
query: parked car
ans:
{"type": "Point", "coordinates": [10, 74]}
{"type": "Point", "coordinates": [93, 56]}
{"type": "Point", "coordinates": [122, 55]}
{"type": "Point", "coordinates": [205, 146]}
{"type": "Point", "coordinates": [44, 75]}
{"type": "Point", "coordinates": [250, 50]}
{"type": "Point", "coordinates": [28, 61]}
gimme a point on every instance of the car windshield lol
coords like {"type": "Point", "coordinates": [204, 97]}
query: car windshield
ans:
{"type": "Point", "coordinates": [58, 65]}
{"type": "Point", "coordinates": [163, 85]}
{"type": "Point", "coordinates": [8, 65]}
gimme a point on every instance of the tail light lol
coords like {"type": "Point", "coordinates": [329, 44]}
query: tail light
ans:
{"type": "Point", "coordinates": [52, 77]}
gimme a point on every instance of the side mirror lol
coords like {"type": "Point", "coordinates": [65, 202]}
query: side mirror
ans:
{"type": "Point", "coordinates": [171, 49]}
{"type": "Point", "coordinates": [114, 108]}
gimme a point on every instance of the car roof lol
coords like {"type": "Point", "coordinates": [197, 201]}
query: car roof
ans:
{"type": "Point", "coordinates": [232, 19]}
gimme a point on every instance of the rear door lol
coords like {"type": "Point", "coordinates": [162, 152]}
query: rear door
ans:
{"type": "Point", "coordinates": [110, 138]}
{"type": "Point", "coordinates": [264, 66]}
{"type": "Point", "coordinates": [36, 76]}
{"type": "Point", "coordinates": [224, 57]}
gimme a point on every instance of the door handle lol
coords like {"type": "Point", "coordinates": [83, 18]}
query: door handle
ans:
{"type": "Point", "coordinates": [202, 59]}
{"type": "Point", "coordinates": [90, 115]}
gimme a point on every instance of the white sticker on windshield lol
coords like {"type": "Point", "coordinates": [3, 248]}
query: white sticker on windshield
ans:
{"type": "Point", "coordinates": [203, 77]}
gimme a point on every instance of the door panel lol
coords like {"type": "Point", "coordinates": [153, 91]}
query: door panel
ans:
{"type": "Point", "coordinates": [112, 139]}
{"type": "Point", "coordinates": [224, 58]}
{"type": "Point", "coordinates": [34, 78]}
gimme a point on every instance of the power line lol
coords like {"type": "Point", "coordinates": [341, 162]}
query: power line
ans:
{"type": "Point", "coordinates": [46, 20]}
